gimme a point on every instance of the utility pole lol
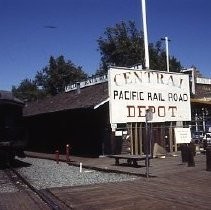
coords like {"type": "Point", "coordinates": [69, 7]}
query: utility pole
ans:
{"type": "Point", "coordinates": [145, 34]}
{"type": "Point", "coordinates": [167, 51]}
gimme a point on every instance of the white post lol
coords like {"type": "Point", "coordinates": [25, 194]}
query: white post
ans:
{"type": "Point", "coordinates": [145, 34]}
{"type": "Point", "coordinates": [193, 79]}
{"type": "Point", "coordinates": [167, 53]}
{"type": "Point", "coordinates": [193, 82]}
{"type": "Point", "coordinates": [80, 167]}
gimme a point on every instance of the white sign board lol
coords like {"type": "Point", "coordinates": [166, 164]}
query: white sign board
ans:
{"type": "Point", "coordinates": [182, 135]}
{"type": "Point", "coordinates": [118, 133]}
{"type": "Point", "coordinates": [89, 82]}
{"type": "Point", "coordinates": [132, 92]}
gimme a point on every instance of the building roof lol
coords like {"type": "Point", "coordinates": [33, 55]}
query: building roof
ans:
{"type": "Point", "coordinates": [89, 97]}
{"type": "Point", "coordinates": [6, 97]}
{"type": "Point", "coordinates": [204, 101]}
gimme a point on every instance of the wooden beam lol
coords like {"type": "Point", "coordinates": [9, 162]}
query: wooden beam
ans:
{"type": "Point", "coordinates": [131, 139]}
{"type": "Point", "coordinates": [140, 140]}
{"type": "Point", "coordinates": [136, 138]}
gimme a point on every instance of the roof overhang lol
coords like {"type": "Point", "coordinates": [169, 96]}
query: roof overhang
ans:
{"type": "Point", "coordinates": [101, 103]}
{"type": "Point", "coordinates": [201, 100]}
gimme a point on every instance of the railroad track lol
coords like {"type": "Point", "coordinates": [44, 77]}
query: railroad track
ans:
{"type": "Point", "coordinates": [41, 199]}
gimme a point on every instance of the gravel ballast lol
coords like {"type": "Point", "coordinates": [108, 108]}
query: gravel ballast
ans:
{"type": "Point", "coordinates": [44, 173]}
{"type": "Point", "coordinates": [6, 186]}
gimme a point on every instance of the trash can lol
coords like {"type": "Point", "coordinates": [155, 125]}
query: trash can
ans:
{"type": "Point", "coordinates": [192, 147]}
{"type": "Point", "coordinates": [191, 154]}
{"type": "Point", "coordinates": [184, 153]}
{"type": "Point", "coordinates": [208, 158]}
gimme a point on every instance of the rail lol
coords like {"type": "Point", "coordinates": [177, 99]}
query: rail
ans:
{"type": "Point", "coordinates": [45, 195]}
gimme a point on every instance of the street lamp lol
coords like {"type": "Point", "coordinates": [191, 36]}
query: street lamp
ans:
{"type": "Point", "coordinates": [167, 51]}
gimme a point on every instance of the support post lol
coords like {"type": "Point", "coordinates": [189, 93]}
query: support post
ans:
{"type": "Point", "coordinates": [171, 138]}
{"type": "Point", "coordinates": [140, 139]}
{"type": "Point", "coordinates": [131, 139]}
{"type": "Point", "coordinates": [147, 150]}
{"type": "Point", "coordinates": [136, 139]}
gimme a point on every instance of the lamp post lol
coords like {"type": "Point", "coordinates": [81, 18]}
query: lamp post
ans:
{"type": "Point", "coordinates": [149, 117]}
{"type": "Point", "coordinates": [167, 51]}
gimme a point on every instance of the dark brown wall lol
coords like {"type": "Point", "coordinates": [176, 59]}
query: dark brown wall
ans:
{"type": "Point", "coordinates": [84, 130]}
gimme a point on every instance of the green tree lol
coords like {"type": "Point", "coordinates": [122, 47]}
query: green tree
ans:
{"type": "Point", "coordinates": [123, 45]}
{"type": "Point", "coordinates": [58, 74]}
{"type": "Point", "coordinates": [51, 80]}
{"type": "Point", "coordinates": [27, 90]}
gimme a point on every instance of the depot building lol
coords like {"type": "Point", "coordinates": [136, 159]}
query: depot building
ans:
{"type": "Point", "coordinates": [107, 114]}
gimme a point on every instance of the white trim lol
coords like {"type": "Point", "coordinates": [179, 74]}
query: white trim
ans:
{"type": "Point", "coordinates": [100, 104]}
{"type": "Point", "coordinates": [89, 82]}
{"type": "Point", "coordinates": [200, 80]}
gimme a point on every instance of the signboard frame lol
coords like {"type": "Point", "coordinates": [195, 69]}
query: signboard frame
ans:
{"type": "Point", "coordinates": [132, 92]}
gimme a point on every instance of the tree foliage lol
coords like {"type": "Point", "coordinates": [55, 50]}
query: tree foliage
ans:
{"type": "Point", "coordinates": [58, 74]}
{"type": "Point", "coordinates": [27, 90]}
{"type": "Point", "coordinates": [51, 80]}
{"type": "Point", "coordinates": [123, 45]}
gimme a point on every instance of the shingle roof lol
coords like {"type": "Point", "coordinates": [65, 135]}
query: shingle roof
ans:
{"type": "Point", "coordinates": [88, 97]}
{"type": "Point", "coordinates": [7, 97]}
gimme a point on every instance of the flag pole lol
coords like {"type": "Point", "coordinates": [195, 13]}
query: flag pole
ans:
{"type": "Point", "coordinates": [145, 34]}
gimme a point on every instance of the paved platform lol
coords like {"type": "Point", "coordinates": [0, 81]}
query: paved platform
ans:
{"type": "Point", "coordinates": [158, 166]}
{"type": "Point", "coordinates": [171, 185]}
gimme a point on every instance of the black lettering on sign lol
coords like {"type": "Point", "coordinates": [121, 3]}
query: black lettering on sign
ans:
{"type": "Point", "coordinates": [160, 111]}
{"type": "Point", "coordinates": [155, 97]}
{"type": "Point", "coordinates": [141, 111]}
{"type": "Point", "coordinates": [131, 111]}
{"type": "Point", "coordinates": [177, 97]}
{"type": "Point", "coordinates": [115, 94]}
{"type": "Point", "coordinates": [127, 95]}
{"type": "Point", "coordinates": [172, 108]}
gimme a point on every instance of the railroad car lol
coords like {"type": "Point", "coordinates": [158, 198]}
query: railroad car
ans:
{"type": "Point", "coordinates": [12, 133]}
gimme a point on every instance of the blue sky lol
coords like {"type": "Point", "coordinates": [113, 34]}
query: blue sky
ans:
{"type": "Point", "coordinates": [26, 44]}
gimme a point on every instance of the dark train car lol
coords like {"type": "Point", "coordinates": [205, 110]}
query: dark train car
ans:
{"type": "Point", "coordinates": [12, 134]}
